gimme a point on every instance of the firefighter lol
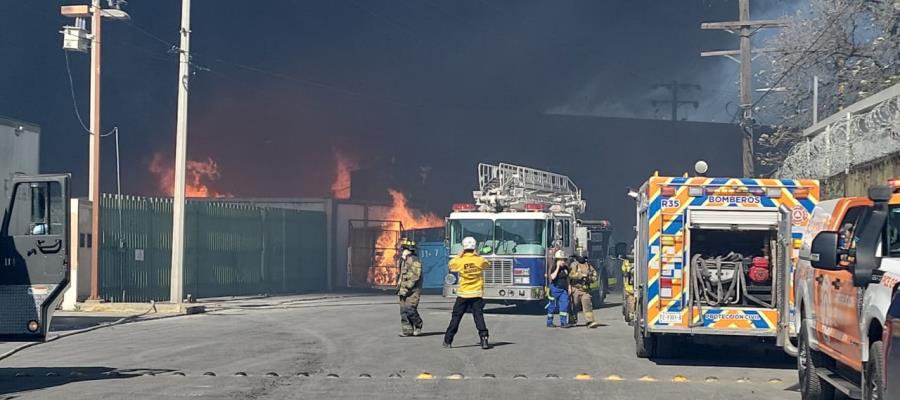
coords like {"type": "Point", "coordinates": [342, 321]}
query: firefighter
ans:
{"type": "Point", "coordinates": [628, 286]}
{"type": "Point", "coordinates": [409, 289]}
{"type": "Point", "coordinates": [559, 291]}
{"type": "Point", "coordinates": [470, 267]}
{"type": "Point", "coordinates": [581, 275]}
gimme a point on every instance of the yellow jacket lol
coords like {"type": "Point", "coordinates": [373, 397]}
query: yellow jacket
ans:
{"type": "Point", "coordinates": [470, 267]}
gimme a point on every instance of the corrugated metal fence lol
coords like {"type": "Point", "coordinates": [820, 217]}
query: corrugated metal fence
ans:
{"type": "Point", "coordinates": [230, 249]}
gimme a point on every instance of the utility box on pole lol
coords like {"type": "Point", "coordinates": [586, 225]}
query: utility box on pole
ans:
{"type": "Point", "coordinates": [19, 153]}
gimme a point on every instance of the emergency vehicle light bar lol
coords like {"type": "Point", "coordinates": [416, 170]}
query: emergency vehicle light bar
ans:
{"type": "Point", "coordinates": [894, 184]}
{"type": "Point", "coordinates": [463, 207]}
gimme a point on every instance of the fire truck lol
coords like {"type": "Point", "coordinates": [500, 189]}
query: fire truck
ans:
{"type": "Point", "coordinates": [34, 255]}
{"type": "Point", "coordinates": [520, 217]}
{"type": "Point", "coordinates": [715, 256]}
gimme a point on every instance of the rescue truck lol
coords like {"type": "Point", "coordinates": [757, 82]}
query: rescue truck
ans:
{"type": "Point", "coordinates": [849, 271]}
{"type": "Point", "coordinates": [715, 256]}
{"type": "Point", "coordinates": [520, 217]}
{"type": "Point", "coordinates": [34, 255]}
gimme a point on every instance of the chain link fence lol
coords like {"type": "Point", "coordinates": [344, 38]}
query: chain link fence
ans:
{"type": "Point", "coordinates": [862, 133]}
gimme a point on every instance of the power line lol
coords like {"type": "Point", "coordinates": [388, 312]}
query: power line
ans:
{"type": "Point", "coordinates": [149, 34]}
{"type": "Point", "coordinates": [75, 103]}
{"type": "Point", "coordinates": [72, 91]}
{"type": "Point", "coordinates": [807, 51]}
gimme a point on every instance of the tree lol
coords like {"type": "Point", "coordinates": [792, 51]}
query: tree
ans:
{"type": "Point", "coordinates": [853, 46]}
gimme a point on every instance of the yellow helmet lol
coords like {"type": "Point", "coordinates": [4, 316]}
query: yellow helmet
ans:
{"type": "Point", "coordinates": [408, 244]}
{"type": "Point", "coordinates": [560, 255]}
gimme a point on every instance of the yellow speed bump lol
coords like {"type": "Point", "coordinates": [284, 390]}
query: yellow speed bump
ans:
{"type": "Point", "coordinates": [647, 378]}
{"type": "Point", "coordinates": [583, 377]}
{"type": "Point", "coordinates": [614, 377]}
{"type": "Point", "coordinates": [425, 376]}
{"type": "Point", "coordinates": [711, 379]}
{"type": "Point", "coordinates": [775, 381]}
{"type": "Point", "coordinates": [680, 378]}
{"type": "Point", "coordinates": [743, 380]}
{"type": "Point", "coordinates": [455, 377]}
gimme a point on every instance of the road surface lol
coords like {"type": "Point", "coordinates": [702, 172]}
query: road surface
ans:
{"type": "Point", "coordinates": [347, 346]}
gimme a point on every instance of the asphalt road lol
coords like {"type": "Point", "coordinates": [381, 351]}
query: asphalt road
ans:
{"type": "Point", "coordinates": [348, 347]}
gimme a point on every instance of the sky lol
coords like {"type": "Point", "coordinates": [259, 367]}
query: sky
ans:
{"type": "Point", "coordinates": [279, 87]}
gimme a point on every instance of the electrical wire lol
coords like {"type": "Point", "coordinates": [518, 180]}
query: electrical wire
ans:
{"type": "Point", "coordinates": [75, 103]}
{"type": "Point", "coordinates": [805, 52]}
{"type": "Point", "coordinates": [72, 92]}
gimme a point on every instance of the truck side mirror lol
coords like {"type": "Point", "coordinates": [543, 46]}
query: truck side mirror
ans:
{"type": "Point", "coordinates": [869, 233]}
{"type": "Point", "coordinates": [824, 252]}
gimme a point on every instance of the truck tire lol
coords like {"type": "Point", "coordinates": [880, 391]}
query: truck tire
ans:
{"type": "Point", "coordinates": [599, 296]}
{"type": "Point", "coordinates": [874, 386]}
{"type": "Point", "coordinates": [644, 346]}
{"type": "Point", "coordinates": [812, 387]}
{"type": "Point", "coordinates": [628, 308]}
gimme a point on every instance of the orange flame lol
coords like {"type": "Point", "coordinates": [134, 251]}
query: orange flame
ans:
{"type": "Point", "coordinates": [340, 189]}
{"type": "Point", "coordinates": [197, 172]}
{"type": "Point", "coordinates": [385, 272]}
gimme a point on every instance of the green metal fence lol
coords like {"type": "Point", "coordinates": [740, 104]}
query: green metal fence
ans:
{"type": "Point", "coordinates": [230, 249]}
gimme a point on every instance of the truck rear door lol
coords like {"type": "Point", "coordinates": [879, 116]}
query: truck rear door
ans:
{"type": "Point", "coordinates": [34, 255]}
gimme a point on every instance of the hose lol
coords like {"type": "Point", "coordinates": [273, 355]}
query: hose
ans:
{"type": "Point", "coordinates": [120, 321]}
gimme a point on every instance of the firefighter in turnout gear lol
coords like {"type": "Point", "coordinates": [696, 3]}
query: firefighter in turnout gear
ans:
{"type": "Point", "coordinates": [559, 291]}
{"type": "Point", "coordinates": [581, 275]}
{"type": "Point", "coordinates": [409, 289]}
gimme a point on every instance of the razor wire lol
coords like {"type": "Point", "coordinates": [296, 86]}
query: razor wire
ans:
{"type": "Point", "coordinates": [845, 143]}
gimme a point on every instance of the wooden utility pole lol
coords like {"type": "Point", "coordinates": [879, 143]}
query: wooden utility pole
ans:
{"type": "Point", "coordinates": [674, 87]}
{"type": "Point", "coordinates": [745, 28]}
{"type": "Point", "coordinates": [176, 289]}
{"type": "Point", "coordinates": [94, 175]}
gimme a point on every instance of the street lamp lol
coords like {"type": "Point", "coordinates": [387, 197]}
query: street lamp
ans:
{"type": "Point", "coordinates": [76, 38]}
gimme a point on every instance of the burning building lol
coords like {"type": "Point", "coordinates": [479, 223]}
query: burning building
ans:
{"type": "Point", "coordinates": [199, 174]}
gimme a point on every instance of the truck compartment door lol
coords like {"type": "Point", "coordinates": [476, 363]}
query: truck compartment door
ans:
{"type": "Point", "coordinates": [745, 219]}
{"type": "Point", "coordinates": [34, 255]}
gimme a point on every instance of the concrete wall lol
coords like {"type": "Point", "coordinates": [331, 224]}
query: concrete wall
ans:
{"type": "Point", "coordinates": [861, 177]}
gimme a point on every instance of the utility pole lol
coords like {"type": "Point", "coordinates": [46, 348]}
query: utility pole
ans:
{"type": "Point", "coordinates": [176, 293]}
{"type": "Point", "coordinates": [745, 28]}
{"type": "Point", "coordinates": [674, 87]}
{"type": "Point", "coordinates": [94, 179]}
{"type": "Point", "coordinates": [75, 38]}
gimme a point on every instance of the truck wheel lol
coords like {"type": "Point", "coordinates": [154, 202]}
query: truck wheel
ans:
{"type": "Point", "coordinates": [808, 360]}
{"type": "Point", "coordinates": [874, 386]}
{"type": "Point", "coordinates": [598, 297]}
{"type": "Point", "coordinates": [644, 346]}
{"type": "Point", "coordinates": [628, 308]}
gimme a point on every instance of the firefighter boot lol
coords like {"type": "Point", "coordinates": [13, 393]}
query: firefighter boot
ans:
{"type": "Point", "coordinates": [564, 321]}
{"type": "Point", "coordinates": [550, 322]}
{"type": "Point", "coordinates": [484, 343]}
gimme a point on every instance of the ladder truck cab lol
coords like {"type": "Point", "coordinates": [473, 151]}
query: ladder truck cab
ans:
{"type": "Point", "coordinates": [715, 256]}
{"type": "Point", "coordinates": [520, 217]}
{"type": "Point", "coordinates": [34, 255]}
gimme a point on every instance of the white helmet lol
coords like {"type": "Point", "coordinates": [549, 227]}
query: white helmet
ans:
{"type": "Point", "coordinates": [469, 243]}
{"type": "Point", "coordinates": [560, 255]}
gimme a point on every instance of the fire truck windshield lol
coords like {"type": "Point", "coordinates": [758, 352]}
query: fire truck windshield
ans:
{"type": "Point", "coordinates": [519, 236]}
{"type": "Point", "coordinates": [480, 229]}
{"type": "Point", "coordinates": [503, 237]}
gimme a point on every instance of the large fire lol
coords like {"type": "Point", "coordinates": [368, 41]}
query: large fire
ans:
{"type": "Point", "coordinates": [197, 173]}
{"type": "Point", "coordinates": [384, 272]}
{"type": "Point", "coordinates": [340, 189]}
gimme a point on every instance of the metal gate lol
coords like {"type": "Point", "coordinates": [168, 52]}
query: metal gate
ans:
{"type": "Point", "coordinates": [372, 253]}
